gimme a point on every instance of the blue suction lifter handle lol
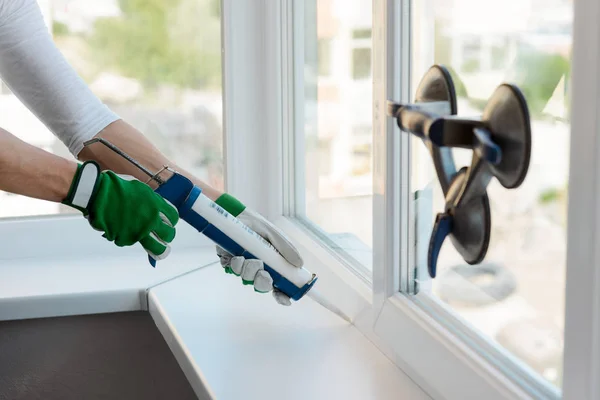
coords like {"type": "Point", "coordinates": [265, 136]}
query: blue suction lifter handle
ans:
{"type": "Point", "coordinates": [182, 193]}
{"type": "Point", "coordinates": [441, 229]}
{"type": "Point", "coordinates": [485, 148]}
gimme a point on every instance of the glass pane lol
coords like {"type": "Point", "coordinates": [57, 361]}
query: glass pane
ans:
{"type": "Point", "coordinates": [516, 296]}
{"type": "Point", "coordinates": [155, 63]}
{"type": "Point", "coordinates": [335, 196]}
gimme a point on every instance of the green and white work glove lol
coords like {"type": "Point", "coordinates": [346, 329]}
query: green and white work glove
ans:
{"type": "Point", "coordinates": [125, 209]}
{"type": "Point", "coordinates": [252, 271]}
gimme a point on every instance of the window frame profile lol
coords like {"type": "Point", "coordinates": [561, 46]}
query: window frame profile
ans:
{"type": "Point", "coordinates": [413, 331]}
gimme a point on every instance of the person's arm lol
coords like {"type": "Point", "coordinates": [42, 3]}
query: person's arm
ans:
{"type": "Point", "coordinates": [41, 78]}
{"type": "Point", "coordinates": [35, 70]}
{"type": "Point", "coordinates": [39, 75]}
{"type": "Point", "coordinates": [32, 172]}
{"type": "Point", "coordinates": [134, 143]}
{"type": "Point", "coordinates": [126, 211]}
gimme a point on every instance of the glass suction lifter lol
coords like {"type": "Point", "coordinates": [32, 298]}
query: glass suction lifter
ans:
{"type": "Point", "coordinates": [501, 145]}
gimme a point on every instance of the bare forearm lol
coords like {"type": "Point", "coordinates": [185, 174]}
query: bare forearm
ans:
{"type": "Point", "coordinates": [134, 143]}
{"type": "Point", "coordinates": [32, 172]}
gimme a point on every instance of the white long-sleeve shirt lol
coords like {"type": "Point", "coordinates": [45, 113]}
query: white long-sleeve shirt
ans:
{"type": "Point", "coordinates": [38, 74]}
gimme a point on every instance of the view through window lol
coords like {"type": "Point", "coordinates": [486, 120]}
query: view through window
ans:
{"type": "Point", "coordinates": [516, 296]}
{"type": "Point", "coordinates": [337, 191]}
{"type": "Point", "coordinates": [155, 63]}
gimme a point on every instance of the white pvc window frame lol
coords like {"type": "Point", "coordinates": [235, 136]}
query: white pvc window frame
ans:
{"type": "Point", "coordinates": [418, 334]}
{"type": "Point", "coordinates": [582, 332]}
{"type": "Point", "coordinates": [417, 342]}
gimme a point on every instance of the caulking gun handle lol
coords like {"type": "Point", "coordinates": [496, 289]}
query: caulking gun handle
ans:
{"type": "Point", "coordinates": [175, 190]}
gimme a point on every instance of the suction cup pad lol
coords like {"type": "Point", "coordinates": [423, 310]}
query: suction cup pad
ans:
{"type": "Point", "coordinates": [472, 222]}
{"type": "Point", "coordinates": [507, 118]}
{"type": "Point", "coordinates": [436, 86]}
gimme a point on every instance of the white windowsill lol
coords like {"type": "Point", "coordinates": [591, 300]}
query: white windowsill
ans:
{"type": "Point", "coordinates": [231, 343]}
{"type": "Point", "coordinates": [44, 287]}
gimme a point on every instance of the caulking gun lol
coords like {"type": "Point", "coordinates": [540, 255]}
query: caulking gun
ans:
{"type": "Point", "coordinates": [228, 232]}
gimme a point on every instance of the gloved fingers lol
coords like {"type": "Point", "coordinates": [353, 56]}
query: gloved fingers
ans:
{"type": "Point", "coordinates": [164, 229]}
{"type": "Point", "coordinates": [263, 283]}
{"type": "Point", "coordinates": [286, 248]}
{"type": "Point", "coordinates": [164, 219]}
{"type": "Point", "coordinates": [221, 252]}
{"type": "Point", "coordinates": [224, 258]}
{"type": "Point", "coordinates": [237, 265]}
{"type": "Point", "coordinates": [273, 235]}
{"type": "Point", "coordinates": [87, 217]}
{"type": "Point", "coordinates": [169, 211]}
{"type": "Point", "coordinates": [252, 273]}
{"type": "Point", "coordinates": [249, 270]}
{"type": "Point", "coordinates": [282, 298]}
{"type": "Point", "coordinates": [155, 247]}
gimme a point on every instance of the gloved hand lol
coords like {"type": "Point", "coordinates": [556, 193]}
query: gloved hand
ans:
{"type": "Point", "coordinates": [127, 211]}
{"type": "Point", "coordinates": [252, 271]}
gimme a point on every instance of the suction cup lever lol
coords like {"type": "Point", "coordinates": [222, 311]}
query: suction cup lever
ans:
{"type": "Point", "coordinates": [441, 229]}
{"type": "Point", "coordinates": [485, 148]}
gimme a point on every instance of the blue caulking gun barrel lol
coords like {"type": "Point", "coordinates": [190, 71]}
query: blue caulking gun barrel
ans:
{"type": "Point", "coordinates": [224, 229]}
